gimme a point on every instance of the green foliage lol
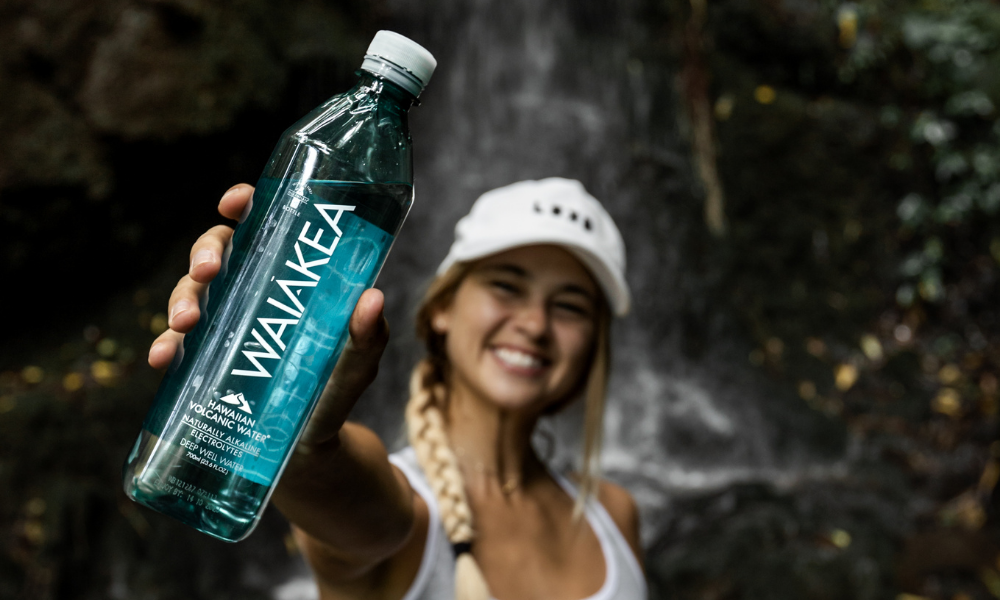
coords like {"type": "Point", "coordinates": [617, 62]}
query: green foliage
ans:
{"type": "Point", "coordinates": [957, 48]}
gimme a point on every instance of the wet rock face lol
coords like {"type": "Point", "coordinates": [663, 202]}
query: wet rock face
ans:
{"type": "Point", "coordinates": [111, 109]}
{"type": "Point", "coordinates": [46, 144]}
{"type": "Point", "coordinates": [155, 70]}
{"type": "Point", "coordinates": [169, 69]}
{"type": "Point", "coordinates": [540, 94]}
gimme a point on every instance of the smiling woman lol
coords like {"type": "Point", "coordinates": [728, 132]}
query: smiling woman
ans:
{"type": "Point", "coordinates": [516, 327]}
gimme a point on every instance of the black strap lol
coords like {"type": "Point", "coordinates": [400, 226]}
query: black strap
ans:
{"type": "Point", "coordinates": [460, 548]}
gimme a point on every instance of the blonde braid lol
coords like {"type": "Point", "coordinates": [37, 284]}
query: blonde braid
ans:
{"type": "Point", "coordinates": [429, 438]}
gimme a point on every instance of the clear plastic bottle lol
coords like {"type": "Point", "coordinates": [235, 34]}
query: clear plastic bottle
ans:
{"type": "Point", "coordinates": [315, 235]}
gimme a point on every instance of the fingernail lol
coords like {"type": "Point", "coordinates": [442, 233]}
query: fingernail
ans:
{"type": "Point", "coordinates": [201, 257]}
{"type": "Point", "coordinates": [177, 309]}
{"type": "Point", "coordinates": [230, 192]}
{"type": "Point", "coordinates": [154, 349]}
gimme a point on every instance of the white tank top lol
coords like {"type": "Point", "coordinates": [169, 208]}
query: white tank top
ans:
{"type": "Point", "coordinates": [436, 578]}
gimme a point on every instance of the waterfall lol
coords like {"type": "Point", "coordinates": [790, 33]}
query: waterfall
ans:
{"type": "Point", "coordinates": [528, 90]}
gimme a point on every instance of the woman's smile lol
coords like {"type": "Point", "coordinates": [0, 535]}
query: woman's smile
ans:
{"type": "Point", "coordinates": [519, 361]}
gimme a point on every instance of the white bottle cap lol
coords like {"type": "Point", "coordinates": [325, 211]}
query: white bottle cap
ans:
{"type": "Point", "coordinates": [410, 64]}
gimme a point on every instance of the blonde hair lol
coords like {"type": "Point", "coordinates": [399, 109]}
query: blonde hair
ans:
{"type": "Point", "coordinates": [425, 419]}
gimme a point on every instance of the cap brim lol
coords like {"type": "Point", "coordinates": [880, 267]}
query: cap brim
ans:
{"type": "Point", "coordinates": [615, 289]}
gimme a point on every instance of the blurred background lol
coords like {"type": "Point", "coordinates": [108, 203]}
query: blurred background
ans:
{"type": "Point", "coordinates": [805, 396]}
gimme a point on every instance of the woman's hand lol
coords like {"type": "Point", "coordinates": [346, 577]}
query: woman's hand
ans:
{"type": "Point", "coordinates": [357, 366]}
{"type": "Point", "coordinates": [206, 260]}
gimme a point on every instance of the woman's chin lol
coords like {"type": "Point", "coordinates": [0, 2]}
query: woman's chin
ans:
{"type": "Point", "coordinates": [517, 398]}
{"type": "Point", "coordinates": [512, 391]}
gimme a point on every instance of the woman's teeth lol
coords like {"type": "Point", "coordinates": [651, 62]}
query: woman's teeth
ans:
{"type": "Point", "coordinates": [518, 359]}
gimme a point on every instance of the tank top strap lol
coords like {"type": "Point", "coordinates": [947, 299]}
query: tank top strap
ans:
{"type": "Point", "coordinates": [435, 579]}
{"type": "Point", "coordinates": [618, 553]}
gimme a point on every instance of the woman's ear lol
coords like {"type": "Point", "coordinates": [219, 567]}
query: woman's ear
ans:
{"type": "Point", "coordinates": [440, 321]}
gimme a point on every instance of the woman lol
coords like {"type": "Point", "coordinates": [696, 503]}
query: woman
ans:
{"type": "Point", "coordinates": [516, 327]}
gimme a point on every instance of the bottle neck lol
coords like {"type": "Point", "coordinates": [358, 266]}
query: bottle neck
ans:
{"type": "Point", "coordinates": [395, 77]}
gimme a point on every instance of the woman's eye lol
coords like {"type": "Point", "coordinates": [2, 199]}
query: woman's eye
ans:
{"type": "Point", "coordinates": [575, 309]}
{"type": "Point", "coordinates": [504, 286]}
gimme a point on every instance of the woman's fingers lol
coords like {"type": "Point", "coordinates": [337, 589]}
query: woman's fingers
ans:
{"type": "Point", "coordinates": [183, 309]}
{"type": "Point", "coordinates": [182, 315]}
{"type": "Point", "coordinates": [206, 259]}
{"type": "Point", "coordinates": [368, 328]}
{"type": "Point", "coordinates": [235, 200]}
{"type": "Point", "coordinates": [355, 370]}
{"type": "Point", "coordinates": [164, 348]}
{"type": "Point", "coordinates": [206, 253]}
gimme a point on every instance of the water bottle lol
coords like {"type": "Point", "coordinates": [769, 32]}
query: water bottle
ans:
{"type": "Point", "coordinates": [274, 321]}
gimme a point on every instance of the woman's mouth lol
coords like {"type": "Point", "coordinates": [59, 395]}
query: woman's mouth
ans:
{"type": "Point", "coordinates": [518, 360]}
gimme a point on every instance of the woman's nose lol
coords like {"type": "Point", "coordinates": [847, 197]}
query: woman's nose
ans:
{"type": "Point", "coordinates": [533, 319]}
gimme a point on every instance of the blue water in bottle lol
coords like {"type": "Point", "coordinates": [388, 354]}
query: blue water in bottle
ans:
{"type": "Point", "coordinates": [321, 222]}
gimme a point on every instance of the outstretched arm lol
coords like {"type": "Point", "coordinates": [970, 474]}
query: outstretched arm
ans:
{"type": "Point", "coordinates": [339, 488]}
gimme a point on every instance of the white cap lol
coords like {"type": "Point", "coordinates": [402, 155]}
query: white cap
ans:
{"type": "Point", "coordinates": [411, 65]}
{"type": "Point", "coordinates": [548, 211]}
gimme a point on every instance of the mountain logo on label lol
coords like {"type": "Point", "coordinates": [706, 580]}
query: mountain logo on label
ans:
{"type": "Point", "coordinates": [238, 401]}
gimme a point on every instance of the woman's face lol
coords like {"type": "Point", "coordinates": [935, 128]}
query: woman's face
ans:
{"type": "Point", "coordinates": [520, 328]}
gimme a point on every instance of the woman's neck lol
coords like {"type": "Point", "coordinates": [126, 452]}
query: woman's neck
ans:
{"type": "Point", "coordinates": [493, 445]}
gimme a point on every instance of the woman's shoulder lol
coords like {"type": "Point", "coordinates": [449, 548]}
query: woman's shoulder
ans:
{"type": "Point", "coordinates": [623, 511]}
{"type": "Point", "coordinates": [622, 508]}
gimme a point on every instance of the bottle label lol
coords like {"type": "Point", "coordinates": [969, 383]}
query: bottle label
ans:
{"type": "Point", "coordinates": [318, 257]}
